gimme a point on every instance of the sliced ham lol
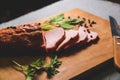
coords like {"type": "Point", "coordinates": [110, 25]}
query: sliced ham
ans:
{"type": "Point", "coordinates": [91, 35]}
{"type": "Point", "coordinates": [86, 35]}
{"type": "Point", "coordinates": [71, 36]}
{"type": "Point", "coordinates": [83, 36]}
{"type": "Point", "coordinates": [53, 38]}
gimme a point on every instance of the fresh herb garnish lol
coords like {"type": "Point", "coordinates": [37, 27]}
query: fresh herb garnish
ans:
{"type": "Point", "coordinates": [65, 25]}
{"type": "Point", "coordinates": [55, 63]}
{"type": "Point", "coordinates": [56, 19]}
{"type": "Point", "coordinates": [51, 68]}
{"type": "Point", "coordinates": [30, 69]}
{"type": "Point", "coordinates": [61, 22]}
{"type": "Point", "coordinates": [38, 65]}
{"type": "Point", "coordinates": [69, 23]}
{"type": "Point", "coordinates": [74, 21]}
{"type": "Point", "coordinates": [46, 27]}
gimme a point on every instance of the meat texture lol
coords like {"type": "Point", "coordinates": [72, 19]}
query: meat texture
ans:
{"type": "Point", "coordinates": [85, 36]}
{"type": "Point", "coordinates": [53, 39]}
{"type": "Point", "coordinates": [91, 35]}
{"type": "Point", "coordinates": [82, 38]}
{"type": "Point", "coordinates": [21, 37]}
{"type": "Point", "coordinates": [71, 36]}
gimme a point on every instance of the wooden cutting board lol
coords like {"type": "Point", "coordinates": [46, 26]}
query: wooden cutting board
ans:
{"type": "Point", "coordinates": [76, 62]}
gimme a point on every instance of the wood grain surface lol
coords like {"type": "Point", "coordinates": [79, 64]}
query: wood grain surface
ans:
{"type": "Point", "coordinates": [116, 40]}
{"type": "Point", "coordinates": [75, 62]}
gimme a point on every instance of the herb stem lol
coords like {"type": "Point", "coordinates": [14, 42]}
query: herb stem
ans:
{"type": "Point", "coordinates": [31, 69]}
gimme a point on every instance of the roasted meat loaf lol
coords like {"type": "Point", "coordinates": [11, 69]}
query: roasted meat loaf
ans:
{"type": "Point", "coordinates": [21, 37]}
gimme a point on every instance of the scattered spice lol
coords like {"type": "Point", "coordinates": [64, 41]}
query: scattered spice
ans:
{"type": "Point", "coordinates": [90, 25]}
{"type": "Point", "coordinates": [84, 19]}
{"type": "Point", "coordinates": [91, 36]}
{"type": "Point", "coordinates": [78, 17]}
{"type": "Point", "coordinates": [12, 27]}
{"type": "Point", "coordinates": [68, 17]}
{"type": "Point", "coordinates": [88, 30]}
{"type": "Point", "coordinates": [89, 21]}
{"type": "Point", "coordinates": [69, 23]}
{"type": "Point", "coordinates": [24, 25]}
{"type": "Point", "coordinates": [93, 22]}
{"type": "Point", "coordinates": [81, 23]}
{"type": "Point", "coordinates": [85, 25]}
{"type": "Point", "coordinates": [39, 23]}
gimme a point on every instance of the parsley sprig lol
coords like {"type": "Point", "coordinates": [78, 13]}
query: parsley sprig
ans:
{"type": "Point", "coordinates": [51, 68]}
{"type": "Point", "coordinates": [38, 65]}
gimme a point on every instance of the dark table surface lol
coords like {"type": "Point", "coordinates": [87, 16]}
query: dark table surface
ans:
{"type": "Point", "coordinates": [102, 8]}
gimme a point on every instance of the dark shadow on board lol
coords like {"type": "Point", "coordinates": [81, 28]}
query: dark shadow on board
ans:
{"type": "Point", "coordinates": [98, 72]}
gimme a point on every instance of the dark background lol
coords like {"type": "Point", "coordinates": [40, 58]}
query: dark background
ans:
{"type": "Point", "coordinates": [10, 9]}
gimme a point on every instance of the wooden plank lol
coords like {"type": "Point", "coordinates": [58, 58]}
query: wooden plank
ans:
{"type": "Point", "coordinates": [75, 63]}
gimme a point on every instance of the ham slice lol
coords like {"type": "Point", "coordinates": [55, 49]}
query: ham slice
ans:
{"type": "Point", "coordinates": [91, 35]}
{"type": "Point", "coordinates": [83, 36]}
{"type": "Point", "coordinates": [86, 35]}
{"type": "Point", "coordinates": [71, 36]}
{"type": "Point", "coordinates": [82, 33]}
{"type": "Point", "coordinates": [53, 38]}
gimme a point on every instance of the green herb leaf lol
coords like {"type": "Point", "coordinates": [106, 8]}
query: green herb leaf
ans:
{"type": "Point", "coordinates": [31, 69]}
{"type": "Point", "coordinates": [19, 65]}
{"type": "Point", "coordinates": [46, 28]}
{"type": "Point", "coordinates": [65, 25]}
{"type": "Point", "coordinates": [51, 71]}
{"type": "Point", "coordinates": [55, 62]}
{"type": "Point", "coordinates": [51, 68]}
{"type": "Point", "coordinates": [71, 19]}
{"type": "Point", "coordinates": [56, 19]}
{"type": "Point", "coordinates": [74, 21]}
{"type": "Point", "coordinates": [28, 77]}
{"type": "Point", "coordinates": [82, 21]}
{"type": "Point", "coordinates": [38, 63]}
{"type": "Point", "coordinates": [61, 22]}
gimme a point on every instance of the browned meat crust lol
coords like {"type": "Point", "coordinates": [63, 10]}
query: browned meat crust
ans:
{"type": "Point", "coordinates": [23, 36]}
